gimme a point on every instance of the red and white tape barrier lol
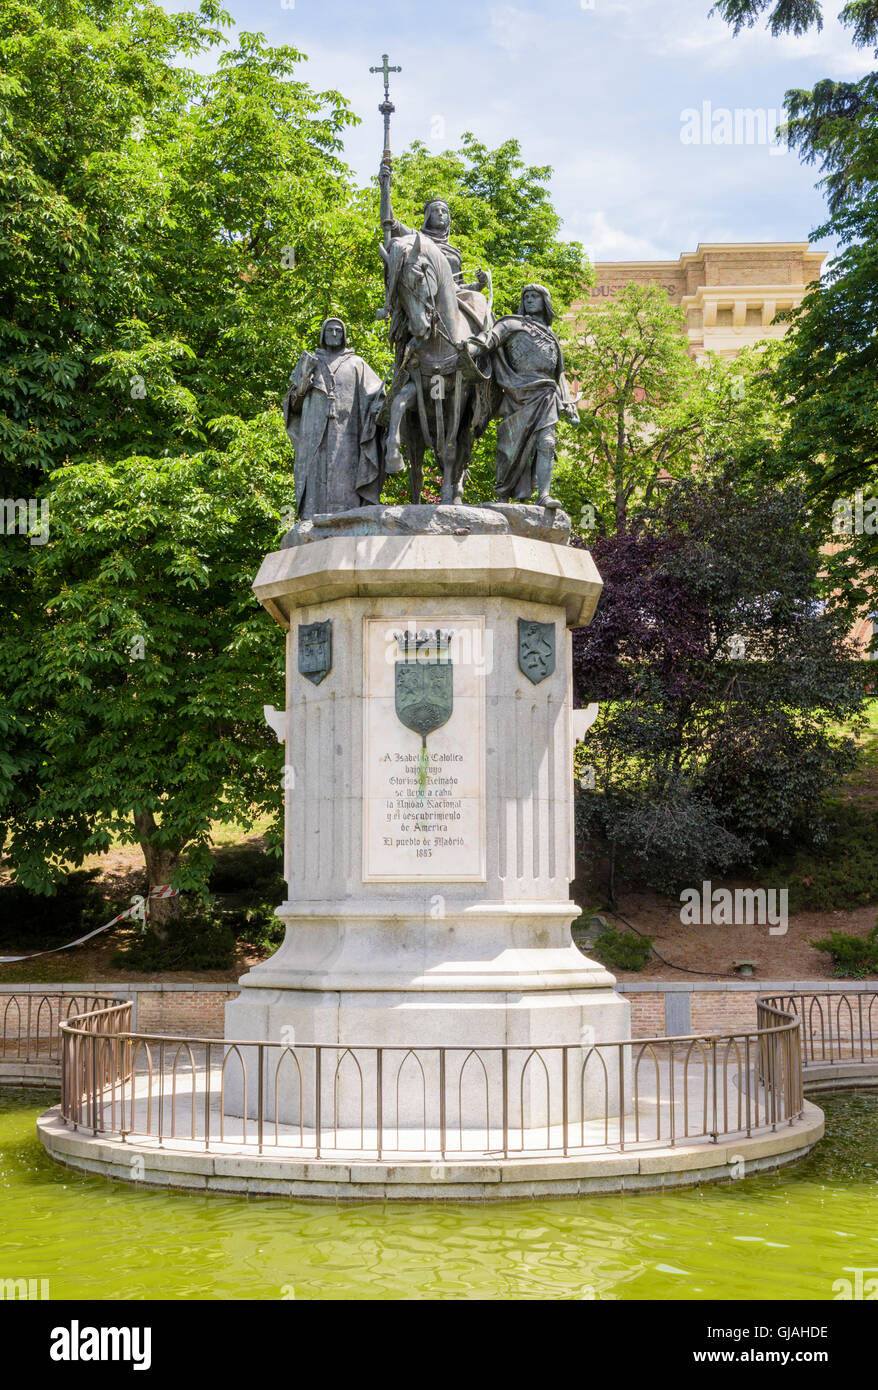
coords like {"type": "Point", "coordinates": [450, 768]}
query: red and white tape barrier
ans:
{"type": "Point", "coordinates": [139, 909]}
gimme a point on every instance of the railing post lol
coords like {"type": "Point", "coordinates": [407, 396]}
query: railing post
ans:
{"type": "Point", "coordinates": [621, 1062]}
{"type": "Point", "coordinates": [161, 1095]}
{"type": "Point", "coordinates": [860, 1025]}
{"type": "Point", "coordinates": [94, 1084]}
{"type": "Point", "coordinates": [206, 1098]}
{"type": "Point", "coordinates": [76, 1079]}
{"type": "Point", "coordinates": [504, 1052]}
{"type": "Point", "coordinates": [564, 1106]}
{"type": "Point", "coordinates": [829, 1016]}
{"type": "Point", "coordinates": [64, 1069]}
{"type": "Point", "coordinates": [260, 1082]}
{"type": "Point", "coordinates": [443, 1138]}
{"type": "Point", "coordinates": [379, 1097]}
{"type": "Point", "coordinates": [317, 1082]}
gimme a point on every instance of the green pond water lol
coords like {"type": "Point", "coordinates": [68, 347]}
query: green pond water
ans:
{"type": "Point", "coordinates": [788, 1236]}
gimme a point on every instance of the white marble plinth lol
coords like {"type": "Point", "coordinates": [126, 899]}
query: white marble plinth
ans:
{"type": "Point", "coordinates": [430, 908]}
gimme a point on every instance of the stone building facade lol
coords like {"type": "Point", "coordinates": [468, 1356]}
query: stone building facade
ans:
{"type": "Point", "coordinates": [729, 292]}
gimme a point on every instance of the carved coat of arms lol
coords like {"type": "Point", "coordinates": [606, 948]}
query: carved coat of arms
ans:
{"type": "Point", "coordinates": [536, 649]}
{"type": "Point", "coordinates": [315, 650]}
{"type": "Point", "coordinates": [424, 683]}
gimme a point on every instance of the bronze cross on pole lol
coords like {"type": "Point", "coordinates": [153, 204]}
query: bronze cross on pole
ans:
{"type": "Point", "coordinates": [387, 107]}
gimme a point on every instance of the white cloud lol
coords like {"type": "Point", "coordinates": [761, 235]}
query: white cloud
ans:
{"type": "Point", "coordinates": [604, 242]}
{"type": "Point", "coordinates": [600, 102]}
{"type": "Point", "coordinates": [516, 31]}
{"type": "Point", "coordinates": [710, 41]}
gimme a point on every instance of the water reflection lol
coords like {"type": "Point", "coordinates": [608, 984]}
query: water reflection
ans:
{"type": "Point", "coordinates": [773, 1237]}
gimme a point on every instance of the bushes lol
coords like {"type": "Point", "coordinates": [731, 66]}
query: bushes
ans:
{"type": "Point", "coordinates": [841, 870]}
{"type": "Point", "coordinates": [622, 950]}
{"type": "Point", "coordinates": [248, 887]}
{"type": "Point", "coordinates": [729, 696]}
{"type": "Point", "coordinates": [256, 924]}
{"type": "Point", "coordinates": [201, 940]}
{"type": "Point", "coordinates": [853, 957]}
{"type": "Point", "coordinates": [245, 869]}
{"type": "Point", "coordinates": [251, 885]}
{"type": "Point", "coordinates": [667, 841]}
{"type": "Point", "coordinates": [77, 906]}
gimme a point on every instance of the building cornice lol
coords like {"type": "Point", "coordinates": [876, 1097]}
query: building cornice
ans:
{"type": "Point", "coordinates": [687, 258]}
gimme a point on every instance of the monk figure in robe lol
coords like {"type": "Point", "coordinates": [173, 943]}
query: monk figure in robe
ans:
{"type": "Point", "coordinates": [331, 413]}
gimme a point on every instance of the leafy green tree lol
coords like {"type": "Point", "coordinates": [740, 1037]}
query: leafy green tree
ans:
{"type": "Point", "coordinates": [725, 680]}
{"type": "Point", "coordinates": [141, 706]}
{"type": "Point", "coordinates": [173, 240]}
{"type": "Point", "coordinates": [829, 375]}
{"type": "Point", "coordinates": [164, 263]}
{"type": "Point", "coordinates": [649, 412]}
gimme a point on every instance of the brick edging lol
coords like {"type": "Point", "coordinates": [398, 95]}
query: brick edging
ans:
{"type": "Point", "coordinates": [752, 986]}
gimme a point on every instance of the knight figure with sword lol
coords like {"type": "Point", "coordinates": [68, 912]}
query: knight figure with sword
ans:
{"type": "Point", "coordinates": [532, 396]}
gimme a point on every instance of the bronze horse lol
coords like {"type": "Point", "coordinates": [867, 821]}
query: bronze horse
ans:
{"type": "Point", "coordinates": [439, 398]}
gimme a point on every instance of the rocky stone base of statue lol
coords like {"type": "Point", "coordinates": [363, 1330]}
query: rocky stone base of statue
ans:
{"type": "Point", "coordinates": [491, 519]}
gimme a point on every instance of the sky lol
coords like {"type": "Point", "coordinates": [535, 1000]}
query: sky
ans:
{"type": "Point", "coordinates": [618, 96]}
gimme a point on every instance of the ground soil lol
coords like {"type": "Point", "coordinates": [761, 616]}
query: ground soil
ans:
{"type": "Point", "coordinates": [694, 952]}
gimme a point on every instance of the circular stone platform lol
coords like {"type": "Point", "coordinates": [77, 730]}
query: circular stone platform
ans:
{"type": "Point", "coordinates": [185, 1164]}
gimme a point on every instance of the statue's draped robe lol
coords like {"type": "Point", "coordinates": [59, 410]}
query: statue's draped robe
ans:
{"type": "Point", "coordinates": [529, 371]}
{"type": "Point", "coordinates": [332, 424]}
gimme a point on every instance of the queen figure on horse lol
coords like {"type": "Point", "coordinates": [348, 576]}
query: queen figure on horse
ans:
{"type": "Point", "coordinates": [438, 401]}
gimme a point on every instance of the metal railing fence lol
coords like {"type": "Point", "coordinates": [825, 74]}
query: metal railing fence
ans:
{"type": "Point", "coordinates": [453, 1101]}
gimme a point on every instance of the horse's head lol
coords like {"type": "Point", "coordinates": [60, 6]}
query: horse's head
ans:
{"type": "Point", "coordinates": [416, 275]}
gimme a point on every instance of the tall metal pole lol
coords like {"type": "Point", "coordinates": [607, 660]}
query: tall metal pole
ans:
{"type": "Point", "coordinates": [387, 109]}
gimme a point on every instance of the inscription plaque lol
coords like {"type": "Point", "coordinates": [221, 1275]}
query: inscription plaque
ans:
{"type": "Point", "coordinates": [424, 750]}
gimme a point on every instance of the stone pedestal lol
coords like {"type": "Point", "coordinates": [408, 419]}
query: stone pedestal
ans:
{"type": "Point", "coordinates": [429, 897]}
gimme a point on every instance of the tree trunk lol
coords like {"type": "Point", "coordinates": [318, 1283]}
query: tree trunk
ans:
{"type": "Point", "coordinates": [160, 864]}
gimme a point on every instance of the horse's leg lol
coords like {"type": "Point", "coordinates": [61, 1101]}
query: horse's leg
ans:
{"type": "Point", "coordinates": [458, 442]}
{"type": "Point", "coordinates": [415, 442]}
{"type": "Point", "coordinates": [463, 443]}
{"type": "Point", "coordinates": [462, 460]}
{"type": "Point", "coordinates": [446, 496]}
{"type": "Point", "coordinates": [401, 402]}
{"type": "Point", "coordinates": [414, 452]}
